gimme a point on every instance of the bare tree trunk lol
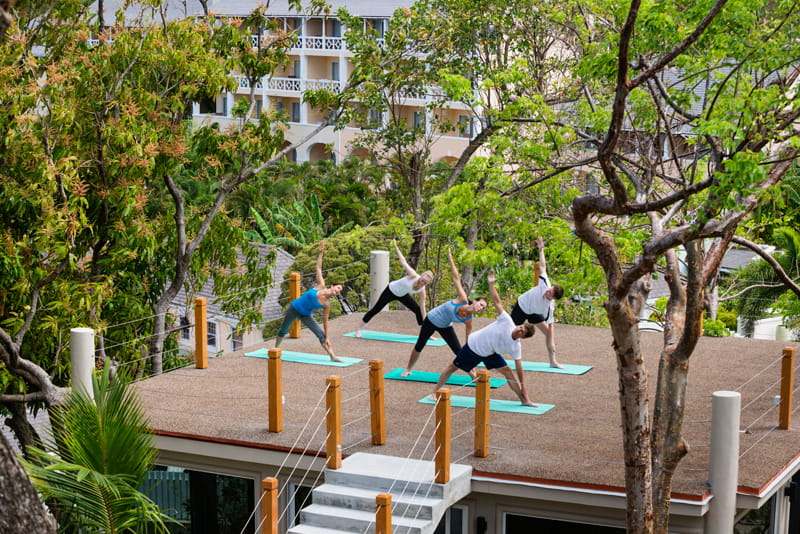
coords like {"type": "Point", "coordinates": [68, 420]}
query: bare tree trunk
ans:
{"type": "Point", "coordinates": [23, 430]}
{"type": "Point", "coordinates": [634, 413]}
{"type": "Point", "coordinates": [22, 509]}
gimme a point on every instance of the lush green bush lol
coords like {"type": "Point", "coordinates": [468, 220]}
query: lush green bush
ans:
{"type": "Point", "coordinates": [715, 328]}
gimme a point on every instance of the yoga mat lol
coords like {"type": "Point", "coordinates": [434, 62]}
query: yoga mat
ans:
{"type": "Point", "coordinates": [544, 367]}
{"type": "Point", "coordinates": [304, 357]}
{"type": "Point", "coordinates": [495, 405]}
{"type": "Point", "coordinates": [454, 380]}
{"type": "Point", "coordinates": [399, 338]}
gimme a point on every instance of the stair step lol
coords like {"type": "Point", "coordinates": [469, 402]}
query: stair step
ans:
{"type": "Point", "coordinates": [384, 473]}
{"type": "Point", "coordinates": [403, 504]}
{"type": "Point", "coordinates": [308, 529]}
{"type": "Point", "coordinates": [356, 520]}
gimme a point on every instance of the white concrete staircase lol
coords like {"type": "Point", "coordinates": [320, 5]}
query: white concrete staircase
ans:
{"type": "Point", "coordinates": [345, 503]}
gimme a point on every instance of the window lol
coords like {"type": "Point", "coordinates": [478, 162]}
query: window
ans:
{"type": "Point", "coordinates": [301, 497]}
{"type": "Point", "coordinates": [335, 70]}
{"type": "Point", "coordinates": [185, 334]}
{"type": "Point", "coordinates": [296, 69]}
{"type": "Point", "coordinates": [295, 111]}
{"type": "Point", "coordinates": [523, 524]}
{"type": "Point", "coordinates": [237, 341]}
{"type": "Point", "coordinates": [419, 119]}
{"type": "Point", "coordinates": [336, 28]}
{"type": "Point", "coordinates": [297, 25]}
{"type": "Point", "coordinates": [259, 107]}
{"type": "Point", "coordinates": [208, 106]}
{"type": "Point", "coordinates": [202, 502]}
{"type": "Point", "coordinates": [465, 126]}
{"type": "Point", "coordinates": [212, 333]}
{"type": "Point", "coordinates": [224, 105]}
{"type": "Point", "coordinates": [453, 522]}
{"type": "Point", "coordinates": [375, 118]}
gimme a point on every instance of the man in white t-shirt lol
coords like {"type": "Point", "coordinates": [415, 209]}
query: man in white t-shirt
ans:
{"type": "Point", "coordinates": [489, 343]}
{"type": "Point", "coordinates": [537, 305]}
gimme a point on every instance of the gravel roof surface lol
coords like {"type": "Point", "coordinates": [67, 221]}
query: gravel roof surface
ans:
{"type": "Point", "coordinates": [576, 444]}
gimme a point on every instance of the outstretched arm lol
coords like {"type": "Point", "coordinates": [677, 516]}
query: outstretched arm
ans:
{"type": "Point", "coordinates": [409, 270]}
{"type": "Point", "coordinates": [320, 278]}
{"type": "Point", "coordinates": [498, 303]}
{"type": "Point", "coordinates": [542, 262]}
{"type": "Point", "coordinates": [422, 298]}
{"type": "Point", "coordinates": [462, 295]}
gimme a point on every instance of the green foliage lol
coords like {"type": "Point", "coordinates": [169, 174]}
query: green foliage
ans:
{"type": "Point", "coordinates": [100, 455]}
{"type": "Point", "coordinates": [716, 328]}
{"type": "Point", "coordinates": [764, 293]}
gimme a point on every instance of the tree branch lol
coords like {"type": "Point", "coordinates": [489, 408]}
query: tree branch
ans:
{"type": "Point", "coordinates": [785, 278]}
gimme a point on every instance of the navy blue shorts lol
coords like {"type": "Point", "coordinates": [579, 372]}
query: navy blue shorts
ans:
{"type": "Point", "coordinates": [467, 360]}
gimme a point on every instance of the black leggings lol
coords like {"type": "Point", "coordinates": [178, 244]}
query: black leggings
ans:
{"type": "Point", "coordinates": [519, 316]}
{"type": "Point", "coordinates": [448, 333]}
{"type": "Point", "coordinates": [386, 297]}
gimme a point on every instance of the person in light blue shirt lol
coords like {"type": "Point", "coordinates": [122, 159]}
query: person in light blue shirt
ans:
{"type": "Point", "coordinates": [487, 346]}
{"type": "Point", "coordinates": [441, 319]}
{"type": "Point", "coordinates": [303, 307]}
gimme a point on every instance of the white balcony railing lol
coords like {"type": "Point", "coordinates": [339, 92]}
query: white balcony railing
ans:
{"type": "Point", "coordinates": [320, 43]}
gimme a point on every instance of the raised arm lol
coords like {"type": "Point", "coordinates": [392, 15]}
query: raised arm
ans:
{"type": "Point", "coordinates": [320, 278]}
{"type": "Point", "coordinates": [462, 295]}
{"type": "Point", "coordinates": [498, 303]}
{"type": "Point", "coordinates": [542, 261]}
{"type": "Point", "coordinates": [409, 270]}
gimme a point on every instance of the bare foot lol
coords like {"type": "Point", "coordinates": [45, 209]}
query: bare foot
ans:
{"type": "Point", "coordinates": [529, 403]}
{"type": "Point", "coordinates": [432, 397]}
{"type": "Point", "coordinates": [405, 373]}
{"type": "Point", "coordinates": [556, 365]}
{"type": "Point", "coordinates": [335, 358]}
{"type": "Point", "coordinates": [358, 333]}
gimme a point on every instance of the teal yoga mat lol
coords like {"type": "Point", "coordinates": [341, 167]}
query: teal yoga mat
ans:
{"type": "Point", "coordinates": [399, 338]}
{"type": "Point", "coordinates": [454, 380]}
{"type": "Point", "coordinates": [544, 367]}
{"type": "Point", "coordinates": [495, 405]}
{"type": "Point", "coordinates": [304, 357]}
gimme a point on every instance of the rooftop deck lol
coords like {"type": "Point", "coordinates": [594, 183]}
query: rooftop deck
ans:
{"type": "Point", "coordinates": [577, 444]}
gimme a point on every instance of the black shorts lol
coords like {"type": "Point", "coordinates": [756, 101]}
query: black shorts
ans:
{"type": "Point", "coordinates": [467, 360]}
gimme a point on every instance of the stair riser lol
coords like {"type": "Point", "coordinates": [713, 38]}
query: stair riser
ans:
{"type": "Point", "coordinates": [350, 524]}
{"type": "Point", "coordinates": [434, 491]}
{"type": "Point", "coordinates": [368, 505]}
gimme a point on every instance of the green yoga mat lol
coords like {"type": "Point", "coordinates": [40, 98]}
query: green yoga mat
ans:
{"type": "Point", "coordinates": [399, 338]}
{"type": "Point", "coordinates": [495, 405]}
{"type": "Point", "coordinates": [454, 380]}
{"type": "Point", "coordinates": [304, 357]}
{"type": "Point", "coordinates": [544, 367]}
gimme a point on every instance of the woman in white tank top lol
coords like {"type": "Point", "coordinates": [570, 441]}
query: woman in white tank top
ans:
{"type": "Point", "coordinates": [402, 289]}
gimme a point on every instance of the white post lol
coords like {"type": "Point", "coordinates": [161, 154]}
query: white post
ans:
{"type": "Point", "coordinates": [724, 468]}
{"type": "Point", "coordinates": [378, 274]}
{"type": "Point", "coordinates": [82, 359]}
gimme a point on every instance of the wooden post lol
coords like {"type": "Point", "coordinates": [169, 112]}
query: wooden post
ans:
{"type": "Point", "coordinates": [333, 422]}
{"type": "Point", "coordinates": [294, 292]}
{"type": "Point", "coordinates": [377, 408]}
{"type": "Point", "coordinates": [200, 334]}
{"type": "Point", "coordinates": [442, 436]}
{"type": "Point", "coordinates": [787, 385]}
{"type": "Point", "coordinates": [269, 506]}
{"type": "Point", "coordinates": [482, 414]}
{"type": "Point", "coordinates": [275, 390]}
{"type": "Point", "coordinates": [537, 271]}
{"type": "Point", "coordinates": [383, 513]}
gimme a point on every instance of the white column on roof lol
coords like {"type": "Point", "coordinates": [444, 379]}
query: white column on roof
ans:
{"type": "Point", "coordinates": [82, 358]}
{"type": "Point", "coordinates": [378, 274]}
{"type": "Point", "coordinates": [724, 468]}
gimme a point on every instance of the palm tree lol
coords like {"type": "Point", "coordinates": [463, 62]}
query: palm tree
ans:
{"type": "Point", "coordinates": [99, 455]}
{"type": "Point", "coordinates": [759, 289]}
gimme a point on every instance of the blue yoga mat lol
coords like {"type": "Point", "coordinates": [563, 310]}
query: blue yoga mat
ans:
{"type": "Point", "coordinates": [544, 367]}
{"type": "Point", "coordinates": [304, 357]}
{"type": "Point", "coordinates": [454, 380]}
{"type": "Point", "coordinates": [398, 338]}
{"type": "Point", "coordinates": [495, 405]}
